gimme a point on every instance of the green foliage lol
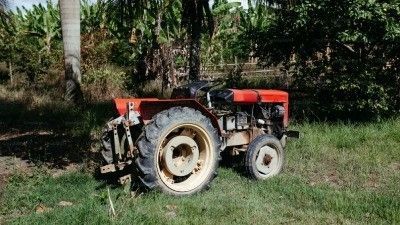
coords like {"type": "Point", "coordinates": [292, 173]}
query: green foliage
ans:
{"type": "Point", "coordinates": [104, 82]}
{"type": "Point", "coordinates": [93, 16]}
{"type": "Point", "coordinates": [220, 47]}
{"type": "Point", "coordinates": [106, 75]}
{"type": "Point", "coordinates": [258, 16]}
{"type": "Point", "coordinates": [28, 39]}
{"type": "Point", "coordinates": [345, 54]}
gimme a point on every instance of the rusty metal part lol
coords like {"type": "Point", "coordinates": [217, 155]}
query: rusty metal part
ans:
{"type": "Point", "coordinates": [117, 147]}
{"type": "Point", "coordinates": [238, 138]}
{"type": "Point", "coordinates": [267, 160]}
{"type": "Point", "coordinates": [180, 155]}
{"type": "Point", "coordinates": [242, 137]}
{"type": "Point", "coordinates": [255, 132]}
{"type": "Point", "coordinates": [122, 166]}
{"type": "Point", "coordinates": [130, 118]}
{"type": "Point", "coordinates": [130, 154]}
{"type": "Point", "coordinates": [108, 168]}
{"type": "Point", "coordinates": [114, 167]}
{"type": "Point", "coordinates": [129, 137]}
{"type": "Point", "coordinates": [125, 179]}
{"type": "Point", "coordinates": [192, 160]}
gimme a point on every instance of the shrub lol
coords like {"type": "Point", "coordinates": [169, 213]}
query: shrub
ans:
{"type": "Point", "coordinates": [104, 83]}
{"type": "Point", "coordinates": [346, 55]}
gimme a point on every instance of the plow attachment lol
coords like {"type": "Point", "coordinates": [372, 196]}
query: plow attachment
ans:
{"type": "Point", "coordinates": [118, 146]}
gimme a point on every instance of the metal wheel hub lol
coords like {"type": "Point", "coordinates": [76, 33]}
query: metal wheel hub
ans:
{"type": "Point", "coordinates": [267, 160]}
{"type": "Point", "coordinates": [180, 155]}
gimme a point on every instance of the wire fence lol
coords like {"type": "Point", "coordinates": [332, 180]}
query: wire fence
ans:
{"type": "Point", "coordinates": [250, 70]}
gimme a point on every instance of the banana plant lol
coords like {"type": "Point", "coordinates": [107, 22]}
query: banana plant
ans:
{"type": "Point", "coordinates": [41, 21]}
{"type": "Point", "coordinates": [93, 16]}
{"type": "Point", "coordinates": [216, 49]}
{"type": "Point", "coordinates": [7, 38]}
{"type": "Point", "coordinates": [258, 16]}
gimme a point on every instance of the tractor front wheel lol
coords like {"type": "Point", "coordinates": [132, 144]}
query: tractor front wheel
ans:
{"type": "Point", "coordinates": [179, 152]}
{"type": "Point", "coordinates": [264, 157]}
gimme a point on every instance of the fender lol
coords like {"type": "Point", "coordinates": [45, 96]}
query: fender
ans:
{"type": "Point", "coordinates": [148, 107]}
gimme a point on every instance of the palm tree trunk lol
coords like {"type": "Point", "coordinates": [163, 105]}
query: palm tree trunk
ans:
{"type": "Point", "coordinates": [70, 24]}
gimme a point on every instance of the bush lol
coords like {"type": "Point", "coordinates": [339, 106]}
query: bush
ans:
{"type": "Point", "coordinates": [346, 55]}
{"type": "Point", "coordinates": [104, 83]}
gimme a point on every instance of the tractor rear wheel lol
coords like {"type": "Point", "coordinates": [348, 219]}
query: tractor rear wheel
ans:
{"type": "Point", "coordinates": [264, 157]}
{"type": "Point", "coordinates": [179, 152]}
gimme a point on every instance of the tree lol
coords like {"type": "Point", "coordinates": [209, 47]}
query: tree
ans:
{"type": "Point", "coordinates": [7, 41]}
{"type": "Point", "coordinates": [70, 24]}
{"type": "Point", "coordinates": [3, 6]}
{"type": "Point", "coordinates": [346, 54]}
{"type": "Point", "coordinates": [196, 17]}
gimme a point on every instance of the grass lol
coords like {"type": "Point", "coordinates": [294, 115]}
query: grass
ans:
{"type": "Point", "coordinates": [336, 174]}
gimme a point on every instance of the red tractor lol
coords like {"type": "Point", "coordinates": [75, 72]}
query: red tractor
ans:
{"type": "Point", "coordinates": [175, 144]}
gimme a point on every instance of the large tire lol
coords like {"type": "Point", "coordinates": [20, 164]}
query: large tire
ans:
{"type": "Point", "coordinates": [167, 152]}
{"type": "Point", "coordinates": [106, 150]}
{"type": "Point", "coordinates": [264, 157]}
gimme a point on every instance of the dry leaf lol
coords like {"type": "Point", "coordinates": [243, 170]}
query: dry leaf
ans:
{"type": "Point", "coordinates": [40, 208]}
{"type": "Point", "coordinates": [171, 207]}
{"type": "Point", "coordinates": [65, 203]}
{"type": "Point", "coordinates": [171, 211]}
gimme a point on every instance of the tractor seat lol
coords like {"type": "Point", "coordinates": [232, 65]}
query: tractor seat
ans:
{"type": "Point", "coordinates": [190, 90]}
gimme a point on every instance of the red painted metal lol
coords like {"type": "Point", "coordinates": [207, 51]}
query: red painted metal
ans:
{"type": "Point", "coordinates": [277, 96]}
{"type": "Point", "coordinates": [148, 107]}
{"type": "Point", "coordinates": [252, 96]}
{"type": "Point", "coordinates": [121, 103]}
{"type": "Point", "coordinates": [244, 96]}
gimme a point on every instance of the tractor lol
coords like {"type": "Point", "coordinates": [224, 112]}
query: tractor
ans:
{"type": "Point", "coordinates": [174, 145]}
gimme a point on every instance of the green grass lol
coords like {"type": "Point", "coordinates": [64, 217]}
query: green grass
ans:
{"type": "Point", "coordinates": [336, 173]}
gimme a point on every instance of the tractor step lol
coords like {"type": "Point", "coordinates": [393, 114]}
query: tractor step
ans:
{"type": "Point", "coordinates": [110, 168]}
{"type": "Point", "coordinates": [125, 179]}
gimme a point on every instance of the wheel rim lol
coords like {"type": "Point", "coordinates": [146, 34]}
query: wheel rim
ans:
{"type": "Point", "coordinates": [267, 161]}
{"type": "Point", "coordinates": [185, 157]}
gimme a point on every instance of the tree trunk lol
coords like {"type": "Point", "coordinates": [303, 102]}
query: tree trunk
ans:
{"type": "Point", "coordinates": [70, 24]}
{"type": "Point", "coordinates": [10, 72]}
{"type": "Point", "coordinates": [194, 55]}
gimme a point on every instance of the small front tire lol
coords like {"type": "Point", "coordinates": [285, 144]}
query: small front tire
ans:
{"type": "Point", "coordinates": [264, 157]}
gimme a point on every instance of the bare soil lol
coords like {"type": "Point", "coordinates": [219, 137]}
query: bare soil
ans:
{"type": "Point", "coordinates": [22, 151]}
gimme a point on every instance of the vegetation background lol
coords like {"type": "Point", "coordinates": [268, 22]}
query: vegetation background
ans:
{"type": "Point", "coordinates": [339, 60]}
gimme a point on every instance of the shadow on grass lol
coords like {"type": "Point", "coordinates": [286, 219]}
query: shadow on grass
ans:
{"type": "Point", "coordinates": [234, 162]}
{"type": "Point", "coordinates": [55, 134]}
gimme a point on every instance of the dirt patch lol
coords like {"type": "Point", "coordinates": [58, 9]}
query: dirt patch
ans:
{"type": "Point", "coordinates": [22, 151]}
{"type": "Point", "coordinates": [3, 182]}
{"type": "Point", "coordinates": [330, 177]}
{"type": "Point", "coordinates": [53, 149]}
{"type": "Point", "coordinates": [69, 168]}
{"type": "Point", "coordinates": [395, 166]}
{"type": "Point", "coordinates": [16, 134]}
{"type": "Point", "coordinates": [10, 165]}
